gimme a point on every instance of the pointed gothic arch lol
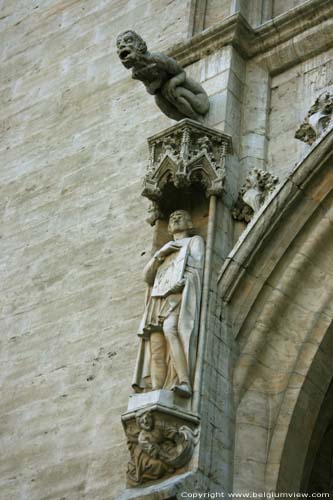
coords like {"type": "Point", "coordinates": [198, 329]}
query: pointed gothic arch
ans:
{"type": "Point", "coordinates": [277, 293]}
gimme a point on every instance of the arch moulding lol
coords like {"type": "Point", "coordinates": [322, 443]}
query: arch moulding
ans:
{"type": "Point", "coordinates": [276, 288]}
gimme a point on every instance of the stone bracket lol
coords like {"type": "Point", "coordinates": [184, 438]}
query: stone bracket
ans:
{"type": "Point", "coordinates": [161, 441]}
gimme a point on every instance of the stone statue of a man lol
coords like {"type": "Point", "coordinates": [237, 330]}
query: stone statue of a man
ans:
{"type": "Point", "coordinates": [177, 95]}
{"type": "Point", "coordinates": [169, 326]}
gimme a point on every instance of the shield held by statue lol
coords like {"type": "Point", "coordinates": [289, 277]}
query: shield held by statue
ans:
{"type": "Point", "coordinates": [171, 272]}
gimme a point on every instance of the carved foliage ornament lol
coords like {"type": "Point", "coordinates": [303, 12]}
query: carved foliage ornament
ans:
{"type": "Point", "coordinates": [317, 119]}
{"type": "Point", "coordinates": [158, 446]}
{"type": "Point", "coordinates": [185, 154]}
{"type": "Point", "coordinates": [258, 185]}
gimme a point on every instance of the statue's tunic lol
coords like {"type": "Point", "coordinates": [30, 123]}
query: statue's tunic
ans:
{"type": "Point", "coordinates": [187, 264]}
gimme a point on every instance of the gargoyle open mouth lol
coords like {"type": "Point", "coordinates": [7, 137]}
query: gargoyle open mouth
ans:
{"type": "Point", "coordinates": [124, 53]}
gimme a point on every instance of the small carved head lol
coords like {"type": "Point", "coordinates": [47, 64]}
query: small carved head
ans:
{"type": "Point", "coordinates": [130, 46]}
{"type": "Point", "coordinates": [179, 221]}
{"type": "Point", "coordinates": [323, 103]}
{"type": "Point", "coordinates": [145, 421]}
{"type": "Point", "coordinates": [204, 143]}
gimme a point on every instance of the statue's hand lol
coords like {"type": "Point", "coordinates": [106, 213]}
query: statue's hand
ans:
{"type": "Point", "coordinates": [170, 89]}
{"type": "Point", "coordinates": [153, 450]}
{"type": "Point", "coordinates": [167, 249]}
{"type": "Point", "coordinates": [178, 287]}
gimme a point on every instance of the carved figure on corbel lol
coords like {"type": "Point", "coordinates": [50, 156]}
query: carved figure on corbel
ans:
{"type": "Point", "coordinates": [317, 120]}
{"type": "Point", "coordinates": [158, 446]}
{"type": "Point", "coordinates": [258, 185]}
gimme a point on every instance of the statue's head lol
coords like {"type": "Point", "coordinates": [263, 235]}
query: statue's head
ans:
{"type": "Point", "coordinates": [145, 421]}
{"type": "Point", "coordinates": [180, 221]}
{"type": "Point", "coordinates": [130, 46]}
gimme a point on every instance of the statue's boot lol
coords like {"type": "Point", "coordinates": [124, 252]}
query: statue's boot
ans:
{"type": "Point", "coordinates": [183, 390]}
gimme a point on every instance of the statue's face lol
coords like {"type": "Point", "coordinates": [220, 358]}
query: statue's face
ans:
{"type": "Point", "coordinates": [128, 48]}
{"type": "Point", "coordinates": [179, 221]}
{"type": "Point", "coordinates": [146, 422]}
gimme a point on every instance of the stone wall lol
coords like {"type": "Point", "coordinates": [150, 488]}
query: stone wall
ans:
{"type": "Point", "coordinates": [281, 6]}
{"type": "Point", "coordinates": [216, 11]}
{"type": "Point", "coordinates": [256, 12]}
{"type": "Point", "coordinates": [73, 149]}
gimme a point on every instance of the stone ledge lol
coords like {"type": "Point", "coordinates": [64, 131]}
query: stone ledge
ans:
{"type": "Point", "coordinates": [160, 397]}
{"type": "Point", "coordinates": [169, 410]}
{"type": "Point", "coordinates": [270, 36]}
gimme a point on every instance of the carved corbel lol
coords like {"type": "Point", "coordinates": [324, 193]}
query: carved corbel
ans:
{"type": "Point", "coordinates": [317, 119]}
{"type": "Point", "coordinates": [160, 444]}
{"type": "Point", "coordinates": [258, 185]}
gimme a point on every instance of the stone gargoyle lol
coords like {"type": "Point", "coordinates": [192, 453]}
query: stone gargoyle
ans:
{"type": "Point", "coordinates": [177, 95]}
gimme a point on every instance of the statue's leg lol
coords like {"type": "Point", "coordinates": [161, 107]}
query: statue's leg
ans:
{"type": "Point", "coordinates": [196, 95]}
{"type": "Point", "coordinates": [158, 366]}
{"type": "Point", "coordinates": [199, 103]}
{"type": "Point", "coordinates": [179, 102]}
{"type": "Point", "coordinates": [168, 108]}
{"type": "Point", "coordinates": [170, 328]}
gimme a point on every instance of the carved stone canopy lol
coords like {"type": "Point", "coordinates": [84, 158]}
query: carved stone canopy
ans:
{"type": "Point", "coordinates": [187, 153]}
